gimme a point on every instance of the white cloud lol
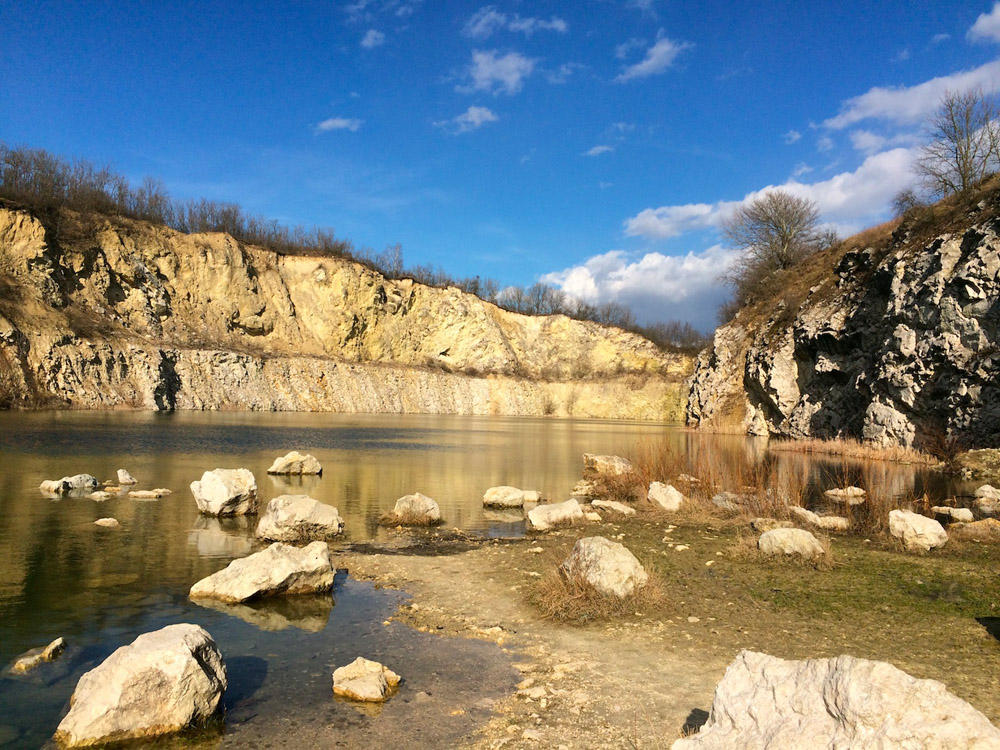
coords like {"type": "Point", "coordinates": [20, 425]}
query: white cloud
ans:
{"type": "Point", "coordinates": [658, 58]}
{"type": "Point", "coordinates": [622, 50]}
{"type": "Point", "coordinates": [563, 72]}
{"type": "Point", "coordinates": [498, 74]}
{"type": "Point", "coordinates": [847, 199]}
{"type": "Point", "coordinates": [800, 169]}
{"type": "Point", "coordinates": [792, 136]}
{"type": "Point", "coordinates": [488, 20]}
{"type": "Point", "coordinates": [987, 27]}
{"type": "Point", "coordinates": [471, 119]}
{"type": "Point", "coordinates": [868, 142]}
{"type": "Point", "coordinates": [655, 286]}
{"type": "Point", "coordinates": [339, 123]}
{"type": "Point", "coordinates": [598, 150]}
{"type": "Point", "coordinates": [373, 38]}
{"type": "Point", "coordinates": [909, 105]}
{"type": "Point", "coordinates": [938, 38]}
{"type": "Point", "coordinates": [824, 143]}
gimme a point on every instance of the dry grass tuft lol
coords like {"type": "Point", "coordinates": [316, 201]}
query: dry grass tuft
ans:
{"type": "Point", "coordinates": [570, 599]}
{"type": "Point", "coordinates": [853, 449]}
{"type": "Point", "coordinates": [391, 518]}
{"type": "Point", "coordinates": [744, 549]}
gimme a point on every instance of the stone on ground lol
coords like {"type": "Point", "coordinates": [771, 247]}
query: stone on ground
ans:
{"type": "Point", "coordinates": [760, 525]}
{"type": "Point", "coordinates": [278, 570]}
{"type": "Point", "coordinates": [829, 523]}
{"type": "Point", "coordinates": [793, 542]}
{"type": "Point", "coordinates": [364, 680]}
{"type": "Point", "coordinates": [726, 501]}
{"type": "Point", "coordinates": [296, 463]}
{"type": "Point", "coordinates": [961, 515]}
{"type": "Point", "coordinates": [108, 523]}
{"type": "Point", "coordinates": [162, 682]}
{"type": "Point", "coordinates": [27, 662]}
{"type": "Point", "coordinates": [504, 497]}
{"type": "Point", "coordinates": [294, 518]}
{"type": "Point", "coordinates": [545, 517]}
{"type": "Point", "coordinates": [615, 506]}
{"type": "Point", "coordinates": [607, 567]}
{"type": "Point", "coordinates": [415, 510]}
{"type": "Point", "coordinates": [125, 478]}
{"type": "Point", "coordinates": [989, 492]}
{"type": "Point", "coordinates": [918, 533]}
{"type": "Point", "coordinates": [987, 530]}
{"type": "Point", "coordinates": [605, 467]}
{"type": "Point", "coordinates": [226, 492]}
{"type": "Point", "coordinates": [585, 489]}
{"type": "Point", "coordinates": [844, 702]}
{"type": "Point", "coordinates": [987, 506]}
{"type": "Point", "coordinates": [665, 495]}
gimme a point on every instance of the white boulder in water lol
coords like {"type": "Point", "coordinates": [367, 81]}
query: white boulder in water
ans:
{"type": "Point", "coordinates": [125, 478]}
{"type": "Point", "coordinates": [545, 517]}
{"type": "Point", "coordinates": [504, 497]}
{"type": "Point", "coordinates": [293, 518]}
{"type": "Point", "coordinates": [162, 682]}
{"type": "Point", "coordinates": [75, 483]}
{"type": "Point", "coordinates": [415, 510]}
{"type": "Point", "coordinates": [280, 569]}
{"type": "Point", "coordinates": [364, 680]}
{"type": "Point", "coordinates": [296, 463]}
{"type": "Point", "coordinates": [605, 467]}
{"type": "Point", "coordinates": [226, 492]}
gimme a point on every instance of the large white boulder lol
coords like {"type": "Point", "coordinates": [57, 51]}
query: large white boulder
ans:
{"type": "Point", "coordinates": [607, 567]}
{"type": "Point", "coordinates": [226, 492]}
{"type": "Point", "coordinates": [75, 483]}
{"type": "Point", "coordinates": [665, 496]}
{"type": "Point", "coordinates": [294, 518]}
{"type": "Point", "coordinates": [279, 569]}
{"type": "Point", "coordinates": [545, 517]}
{"type": "Point", "coordinates": [605, 467]}
{"type": "Point", "coordinates": [364, 680]}
{"type": "Point", "coordinates": [504, 497]}
{"type": "Point", "coordinates": [793, 542]}
{"type": "Point", "coordinates": [125, 478]}
{"type": "Point", "coordinates": [775, 704]}
{"type": "Point", "coordinates": [296, 463]}
{"type": "Point", "coordinates": [414, 510]}
{"type": "Point", "coordinates": [918, 533]}
{"type": "Point", "coordinates": [989, 492]}
{"type": "Point", "coordinates": [162, 682]}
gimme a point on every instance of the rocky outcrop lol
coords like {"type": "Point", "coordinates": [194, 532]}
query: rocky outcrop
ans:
{"type": "Point", "coordinates": [844, 702]}
{"type": "Point", "coordinates": [278, 570]}
{"type": "Point", "coordinates": [162, 682]}
{"type": "Point", "coordinates": [122, 314]}
{"type": "Point", "coordinates": [607, 567]}
{"type": "Point", "coordinates": [895, 344]}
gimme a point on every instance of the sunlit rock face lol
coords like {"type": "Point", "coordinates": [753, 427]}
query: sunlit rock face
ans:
{"type": "Point", "coordinates": [895, 346]}
{"type": "Point", "coordinates": [120, 314]}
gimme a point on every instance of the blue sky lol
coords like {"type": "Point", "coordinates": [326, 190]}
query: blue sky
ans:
{"type": "Point", "coordinates": [595, 145]}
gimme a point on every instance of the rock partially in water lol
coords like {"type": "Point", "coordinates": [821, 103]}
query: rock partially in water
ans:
{"type": "Point", "coordinates": [545, 517]}
{"type": "Point", "coordinates": [849, 495]}
{"type": "Point", "coordinates": [149, 494]}
{"type": "Point", "coordinates": [615, 506]}
{"type": "Point", "coordinates": [296, 463]}
{"type": "Point", "coordinates": [843, 702]}
{"type": "Point", "coordinates": [605, 467]}
{"type": "Point", "coordinates": [107, 523]}
{"type": "Point", "coordinates": [53, 487]}
{"type": "Point", "coordinates": [125, 478]}
{"type": "Point", "coordinates": [829, 523]}
{"type": "Point", "coordinates": [790, 542]}
{"type": "Point", "coordinates": [226, 492]}
{"type": "Point", "coordinates": [606, 566]}
{"type": "Point", "coordinates": [278, 570]}
{"type": "Point", "coordinates": [414, 510]}
{"type": "Point", "coordinates": [962, 515]}
{"type": "Point", "coordinates": [75, 483]}
{"type": "Point", "coordinates": [918, 533]}
{"type": "Point", "coordinates": [505, 497]}
{"type": "Point", "coordinates": [30, 660]}
{"type": "Point", "coordinates": [100, 496]}
{"type": "Point", "coordinates": [295, 518]}
{"type": "Point", "coordinates": [665, 495]}
{"type": "Point", "coordinates": [987, 530]}
{"type": "Point", "coordinates": [364, 680]}
{"type": "Point", "coordinates": [162, 682]}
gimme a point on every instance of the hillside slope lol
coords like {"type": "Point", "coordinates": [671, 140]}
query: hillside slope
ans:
{"type": "Point", "coordinates": [125, 314]}
{"type": "Point", "coordinates": [891, 338]}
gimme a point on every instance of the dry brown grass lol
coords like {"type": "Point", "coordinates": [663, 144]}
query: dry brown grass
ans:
{"type": "Point", "coordinates": [744, 549]}
{"type": "Point", "coordinates": [391, 518]}
{"type": "Point", "coordinates": [570, 599]}
{"type": "Point", "coordinates": [852, 449]}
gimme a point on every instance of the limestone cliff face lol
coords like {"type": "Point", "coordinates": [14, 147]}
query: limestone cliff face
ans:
{"type": "Point", "coordinates": [122, 314]}
{"type": "Point", "coordinates": [894, 345]}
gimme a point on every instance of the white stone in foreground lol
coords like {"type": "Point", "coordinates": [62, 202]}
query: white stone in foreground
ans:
{"type": "Point", "coordinates": [504, 497]}
{"type": "Point", "coordinates": [226, 492]}
{"type": "Point", "coordinates": [608, 567]}
{"type": "Point", "coordinates": [279, 569]}
{"type": "Point", "coordinates": [665, 495]}
{"type": "Point", "coordinates": [544, 517]}
{"type": "Point", "coordinates": [794, 542]}
{"type": "Point", "coordinates": [842, 703]}
{"type": "Point", "coordinates": [615, 506]}
{"type": "Point", "coordinates": [919, 533]}
{"type": "Point", "coordinates": [296, 463]}
{"type": "Point", "coordinates": [293, 518]}
{"type": "Point", "coordinates": [603, 467]}
{"type": "Point", "coordinates": [162, 682]}
{"type": "Point", "coordinates": [364, 680]}
{"type": "Point", "coordinates": [125, 478]}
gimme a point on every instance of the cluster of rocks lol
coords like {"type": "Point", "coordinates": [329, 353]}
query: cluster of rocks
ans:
{"type": "Point", "coordinates": [88, 486]}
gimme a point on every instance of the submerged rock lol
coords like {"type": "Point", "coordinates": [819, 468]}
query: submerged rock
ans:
{"type": "Point", "coordinates": [364, 680]}
{"type": "Point", "coordinates": [414, 510]}
{"type": "Point", "coordinates": [108, 523]}
{"type": "Point", "coordinates": [665, 496]}
{"type": "Point", "coordinates": [278, 570]}
{"type": "Point", "coordinates": [162, 682]}
{"type": "Point", "coordinates": [226, 492]}
{"type": "Point", "coordinates": [793, 542]}
{"type": "Point", "coordinates": [75, 483]}
{"type": "Point", "coordinates": [30, 660]}
{"type": "Point", "coordinates": [605, 467]}
{"type": "Point", "coordinates": [295, 463]}
{"type": "Point", "coordinates": [607, 567]}
{"type": "Point", "coordinates": [545, 517]}
{"type": "Point", "coordinates": [918, 533]}
{"type": "Point", "coordinates": [149, 494]}
{"type": "Point", "coordinates": [125, 478]}
{"type": "Point", "coordinates": [505, 497]}
{"type": "Point", "coordinates": [844, 702]}
{"type": "Point", "coordinates": [293, 518]}
{"type": "Point", "coordinates": [100, 495]}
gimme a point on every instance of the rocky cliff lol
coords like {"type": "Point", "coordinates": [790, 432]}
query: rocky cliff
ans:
{"type": "Point", "coordinates": [112, 313]}
{"type": "Point", "coordinates": [891, 339]}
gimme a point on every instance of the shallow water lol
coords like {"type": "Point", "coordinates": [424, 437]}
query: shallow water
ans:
{"type": "Point", "coordinates": [62, 576]}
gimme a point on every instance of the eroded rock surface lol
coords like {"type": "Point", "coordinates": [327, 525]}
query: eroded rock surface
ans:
{"type": "Point", "coordinates": [364, 680]}
{"type": "Point", "coordinates": [294, 518]}
{"type": "Point", "coordinates": [608, 567]}
{"type": "Point", "coordinates": [918, 533]}
{"type": "Point", "coordinates": [545, 517]}
{"type": "Point", "coordinates": [665, 496]}
{"type": "Point", "coordinates": [296, 463]}
{"type": "Point", "coordinates": [790, 542]}
{"type": "Point", "coordinates": [226, 492]}
{"type": "Point", "coordinates": [276, 571]}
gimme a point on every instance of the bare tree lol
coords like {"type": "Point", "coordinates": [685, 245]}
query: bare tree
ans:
{"type": "Point", "coordinates": [964, 143]}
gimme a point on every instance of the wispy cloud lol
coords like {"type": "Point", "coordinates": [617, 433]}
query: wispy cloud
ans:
{"type": "Point", "coordinates": [939, 38]}
{"type": "Point", "coordinates": [658, 59]}
{"type": "Point", "coordinates": [987, 27]}
{"type": "Point", "coordinates": [598, 150]}
{"type": "Point", "coordinates": [869, 143]}
{"type": "Point", "coordinates": [824, 143]}
{"type": "Point", "coordinates": [488, 20]}
{"type": "Point", "coordinates": [373, 38]}
{"type": "Point", "coordinates": [472, 119]}
{"type": "Point", "coordinates": [339, 123]}
{"type": "Point", "coordinates": [792, 136]}
{"type": "Point", "coordinates": [622, 50]}
{"type": "Point", "coordinates": [497, 74]}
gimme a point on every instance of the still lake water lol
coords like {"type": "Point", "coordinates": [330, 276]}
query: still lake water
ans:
{"type": "Point", "coordinates": [62, 576]}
